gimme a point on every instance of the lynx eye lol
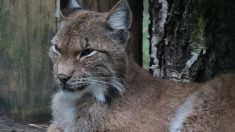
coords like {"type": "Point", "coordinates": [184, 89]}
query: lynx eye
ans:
{"type": "Point", "coordinates": [87, 53]}
{"type": "Point", "coordinates": [56, 49]}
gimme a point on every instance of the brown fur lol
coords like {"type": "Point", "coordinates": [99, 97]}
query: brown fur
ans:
{"type": "Point", "coordinates": [147, 104]}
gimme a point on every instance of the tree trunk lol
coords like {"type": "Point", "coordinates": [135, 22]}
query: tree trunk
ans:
{"type": "Point", "coordinates": [192, 40]}
{"type": "Point", "coordinates": [137, 30]}
{"type": "Point", "coordinates": [98, 5]}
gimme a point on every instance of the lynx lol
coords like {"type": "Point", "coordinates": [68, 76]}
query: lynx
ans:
{"type": "Point", "coordinates": [101, 89]}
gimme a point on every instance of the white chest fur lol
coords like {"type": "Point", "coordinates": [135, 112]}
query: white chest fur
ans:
{"type": "Point", "coordinates": [64, 111]}
{"type": "Point", "coordinates": [182, 113]}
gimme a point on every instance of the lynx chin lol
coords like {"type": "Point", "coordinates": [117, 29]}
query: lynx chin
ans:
{"type": "Point", "coordinates": [101, 89]}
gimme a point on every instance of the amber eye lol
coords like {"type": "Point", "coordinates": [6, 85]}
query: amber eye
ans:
{"type": "Point", "coordinates": [87, 52]}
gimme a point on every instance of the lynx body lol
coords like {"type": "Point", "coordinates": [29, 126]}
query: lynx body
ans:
{"type": "Point", "coordinates": [101, 89]}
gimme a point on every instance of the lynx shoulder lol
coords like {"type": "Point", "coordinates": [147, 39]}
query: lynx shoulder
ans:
{"type": "Point", "coordinates": [102, 89]}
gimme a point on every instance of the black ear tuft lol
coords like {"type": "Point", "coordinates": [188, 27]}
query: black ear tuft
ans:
{"type": "Point", "coordinates": [66, 7]}
{"type": "Point", "coordinates": [120, 16]}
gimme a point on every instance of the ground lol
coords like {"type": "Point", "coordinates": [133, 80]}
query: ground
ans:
{"type": "Point", "coordinates": [9, 125]}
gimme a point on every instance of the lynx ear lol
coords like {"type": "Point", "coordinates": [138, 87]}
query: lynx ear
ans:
{"type": "Point", "coordinates": [120, 16]}
{"type": "Point", "coordinates": [66, 7]}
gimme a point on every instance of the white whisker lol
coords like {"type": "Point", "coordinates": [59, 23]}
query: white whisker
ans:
{"type": "Point", "coordinates": [115, 83]}
{"type": "Point", "coordinates": [108, 77]}
{"type": "Point", "coordinates": [101, 81]}
{"type": "Point", "coordinates": [98, 92]}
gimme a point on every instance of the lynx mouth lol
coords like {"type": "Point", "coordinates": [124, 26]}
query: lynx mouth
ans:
{"type": "Point", "coordinates": [73, 89]}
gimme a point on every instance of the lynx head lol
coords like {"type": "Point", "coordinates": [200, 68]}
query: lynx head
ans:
{"type": "Point", "coordinates": [89, 52]}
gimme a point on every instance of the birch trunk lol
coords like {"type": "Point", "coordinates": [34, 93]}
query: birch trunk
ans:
{"type": "Point", "coordinates": [192, 40]}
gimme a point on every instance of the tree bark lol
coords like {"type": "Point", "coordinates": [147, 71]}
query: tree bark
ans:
{"type": "Point", "coordinates": [192, 40]}
{"type": "Point", "coordinates": [98, 5]}
{"type": "Point", "coordinates": [137, 30]}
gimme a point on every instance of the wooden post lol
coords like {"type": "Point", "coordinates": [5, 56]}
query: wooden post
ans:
{"type": "Point", "coordinates": [26, 27]}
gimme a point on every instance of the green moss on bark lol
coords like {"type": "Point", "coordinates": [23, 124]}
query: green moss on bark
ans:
{"type": "Point", "coordinates": [217, 18]}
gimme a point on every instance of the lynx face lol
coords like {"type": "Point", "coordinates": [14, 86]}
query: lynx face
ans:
{"type": "Point", "coordinates": [89, 52]}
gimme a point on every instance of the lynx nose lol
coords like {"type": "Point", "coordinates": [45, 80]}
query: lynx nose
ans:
{"type": "Point", "coordinates": [63, 78]}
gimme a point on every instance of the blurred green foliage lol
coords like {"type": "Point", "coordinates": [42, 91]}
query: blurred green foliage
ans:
{"type": "Point", "coordinates": [146, 56]}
